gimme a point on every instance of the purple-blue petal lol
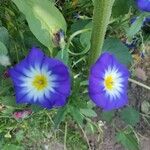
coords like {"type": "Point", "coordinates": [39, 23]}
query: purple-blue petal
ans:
{"type": "Point", "coordinates": [63, 87]}
{"type": "Point", "coordinates": [143, 5]}
{"type": "Point", "coordinates": [99, 99]}
{"type": "Point", "coordinates": [96, 85]}
{"type": "Point", "coordinates": [35, 57]}
{"type": "Point", "coordinates": [61, 72]}
{"type": "Point", "coordinates": [58, 99]}
{"type": "Point", "coordinates": [57, 71]}
{"type": "Point", "coordinates": [96, 88]}
{"type": "Point", "coordinates": [121, 68]}
{"type": "Point", "coordinates": [21, 67]}
{"type": "Point", "coordinates": [101, 64]}
{"type": "Point", "coordinates": [46, 103]}
{"type": "Point", "coordinates": [51, 62]}
{"type": "Point", "coordinates": [22, 96]}
{"type": "Point", "coordinates": [15, 76]}
{"type": "Point", "coordinates": [117, 103]}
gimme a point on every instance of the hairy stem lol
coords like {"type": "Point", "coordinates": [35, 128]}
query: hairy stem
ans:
{"type": "Point", "coordinates": [101, 16]}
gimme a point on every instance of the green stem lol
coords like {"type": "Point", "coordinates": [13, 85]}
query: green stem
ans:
{"type": "Point", "coordinates": [101, 17]}
{"type": "Point", "coordinates": [65, 137]}
{"type": "Point", "coordinates": [74, 35]}
{"type": "Point", "coordinates": [85, 136]}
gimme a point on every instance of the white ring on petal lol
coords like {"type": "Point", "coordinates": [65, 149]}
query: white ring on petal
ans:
{"type": "Point", "coordinates": [28, 88]}
{"type": "Point", "coordinates": [117, 90]}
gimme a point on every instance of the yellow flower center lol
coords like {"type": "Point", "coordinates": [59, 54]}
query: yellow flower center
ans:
{"type": "Point", "coordinates": [40, 82]}
{"type": "Point", "coordinates": [109, 83]}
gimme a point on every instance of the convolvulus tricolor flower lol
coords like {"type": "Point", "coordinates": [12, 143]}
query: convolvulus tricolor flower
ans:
{"type": "Point", "coordinates": [41, 80]}
{"type": "Point", "coordinates": [108, 82]}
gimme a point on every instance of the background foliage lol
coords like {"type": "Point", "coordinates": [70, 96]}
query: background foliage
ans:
{"type": "Point", "coordinates": [24, 24]}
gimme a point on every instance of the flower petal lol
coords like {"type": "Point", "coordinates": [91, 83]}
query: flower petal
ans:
{"type": "Point", "coordinates": [95, 85]}
{"type": "Point", "coordinates": [108, 81]}
{"type": "Point", "coordinates": [41, 80]}
{"type": "Point", "coordinates": [35, 57]}
{"type": "Point", "coordinates": [101, 64]}
{"type": "Point", "coordinates": [143, 5]}
{"type": "Point", "coordinates": [99, 99]}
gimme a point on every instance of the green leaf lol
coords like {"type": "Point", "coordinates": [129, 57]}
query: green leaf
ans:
{"type": "Point", "coordinates": [8, 101]}
{"type": "Point", "coordinates": [36, 108]}
{"type": "Point", "coordinates": [4, 59]}
{"type": "Point", "coordinates": [121, 7]}
{"type": "Point", "coordinates": [63, 56]}
{"type": "Point", "coordinates": [12, 147]}
{"type": "Point", "coordinates": [113, 45]}
{"type": "Point", "coordinates": [116, 47]}
{"type": "Point", "coordinates": [130, 116]}
{"type": "Point", "coordinates": [136, 26]}
{"type": "Point", "coordinates": [59, 117]}
{"type": "Point", "coordinates": [4, 36]}
{"type": "Point", "coordinates": [86, 37]}
{"type": "Point", "coordinates": [20, 135]}
{"type": "Point", "coordinates": [128, 140]}
{"type": "Point", "coordinates": [8, 111]}
{"type": "Point", "coordinates": [108, 115]}
{"type": "Point", "coordinates": [44, 19]}
{"type": "Point", "coordinates": [90, 128]}
{"type": "Point", "coordinates": [3, 49]}
{"type": "Point", "coordinates": [78, 25]}
{"type": "Point", "coordinates": [88, 112]}
{"type": "Point", "coordinates": [75, 113]}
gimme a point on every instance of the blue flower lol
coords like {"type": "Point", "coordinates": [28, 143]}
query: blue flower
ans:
{"type": "Point", "coordinates": [41, 80]}
{"type": "Point", "coordinates": [143, 5]}
{"type": "Point", "coordinates": [108, 82]}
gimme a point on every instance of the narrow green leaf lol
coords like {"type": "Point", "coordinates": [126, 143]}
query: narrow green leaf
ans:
{"type": "Point", "coordinates": [4, 59]}
{"type": "Point", "coordinates": [88, 112]}
{"type": "Point", "coordinates": [8, 101]}
{"type": "Point", "coordinates": [90, 128]}
{"type": "Point", "coordinates": [59, 117]}
{"type": "Point", "coordinates": [75, 113]}
{"type": "Point", "coordinates": [8, 111]}
{"type": "Point", "coordinates": [128, 140]}
{"type": "Point", "coordinates": [4, 36]}
{"type": "Point", "coordinates": [63, 56]}
{"type": "Point", "coordinates": [136, 26]}
{"type": "Point", "coordinates": [86, 37]}
{"type": "Point", "coordinates": [3, 49]}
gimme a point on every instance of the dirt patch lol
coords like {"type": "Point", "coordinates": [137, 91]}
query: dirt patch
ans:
{"type": "Point", "coordinates": [145, 143]}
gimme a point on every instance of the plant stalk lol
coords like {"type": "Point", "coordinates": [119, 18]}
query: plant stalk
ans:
{"type": "Point", "coordinates": [140, 84]}
{"type": "Point", "coordinates": [101, 17]}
